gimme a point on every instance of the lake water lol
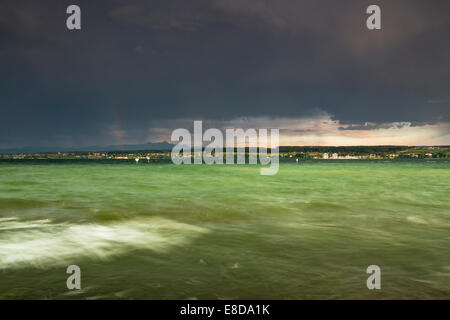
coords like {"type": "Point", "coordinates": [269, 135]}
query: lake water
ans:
{"type": "Point", "coordinates": [160, 231]}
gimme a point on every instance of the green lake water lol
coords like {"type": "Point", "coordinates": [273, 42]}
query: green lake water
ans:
{"type": "Point", "coordinates": [160, 231]}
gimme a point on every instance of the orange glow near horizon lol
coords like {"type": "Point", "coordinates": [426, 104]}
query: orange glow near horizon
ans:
{"type": "Point", "coordinates": [438, 134]}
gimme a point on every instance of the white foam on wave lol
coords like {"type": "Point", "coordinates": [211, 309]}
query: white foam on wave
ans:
{"type": "Point", "coordinates": [13, 223]}
{"type": "Point", "coordinates": [418, 220]}
{"type": "Point", "coordinates": [42, 244]}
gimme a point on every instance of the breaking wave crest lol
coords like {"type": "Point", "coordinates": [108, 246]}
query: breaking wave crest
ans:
{"type": "Point", "coordinates": [43, 244]}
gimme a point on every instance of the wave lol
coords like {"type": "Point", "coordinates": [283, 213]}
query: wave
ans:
{"type": "Point", "coordinates": [45, 245]}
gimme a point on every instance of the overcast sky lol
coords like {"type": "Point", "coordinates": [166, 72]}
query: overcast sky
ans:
{"type": "Point", "coordinates": [139, 69]}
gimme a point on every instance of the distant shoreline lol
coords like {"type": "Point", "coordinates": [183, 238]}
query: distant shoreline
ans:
{"type": "Point", "coordinates": [169, 161]}
{"type": "Point", "coordinates": [300, 153]}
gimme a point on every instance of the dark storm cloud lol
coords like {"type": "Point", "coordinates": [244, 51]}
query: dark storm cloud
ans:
{"type": "Point", "coordinates": [138, 64]}
{"type": "Point", "coordinates": [376, 126]}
